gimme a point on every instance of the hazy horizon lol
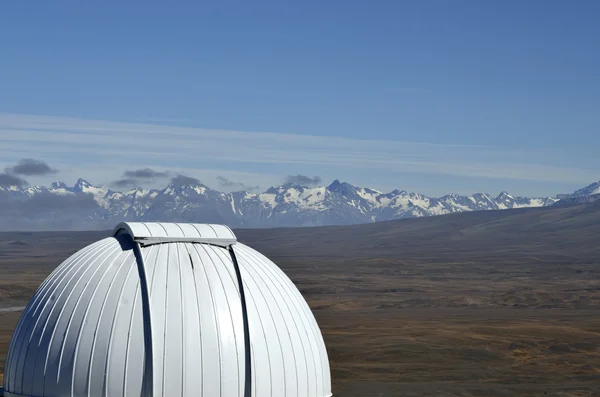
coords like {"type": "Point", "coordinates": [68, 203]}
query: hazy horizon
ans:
{"type": "Point", "coordinates": [426, 97]}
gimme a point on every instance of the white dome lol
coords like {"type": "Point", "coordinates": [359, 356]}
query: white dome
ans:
{"type": "Point", "coordinates": [157, 310]}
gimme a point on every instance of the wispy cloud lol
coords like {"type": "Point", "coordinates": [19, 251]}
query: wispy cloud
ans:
{"type": "Point", "coordinates": [96, 142]}
{"type": "Point", "coordinates": [138, 177]}
{"type": "Point", "coordinates": [303, 180]}
{"type": "Point", "coordinates": [30, 167]}
{"type": "Point", "coordinates": [231, 185]}
{"type": "Point", "coordinates": [125, 182]}
{"type": "Point", "coordinates": [184, 180]}
{"type": "Point", "coordinates": [146, 173]}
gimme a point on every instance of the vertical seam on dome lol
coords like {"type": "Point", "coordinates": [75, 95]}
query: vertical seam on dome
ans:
{"type": "Point", "coordinates": [317, 336]}
{"type": "Point", "coordinates": [213, 229]}
{"type": "Point", "coordinates": [247, 347]}
{"type": "Point", "coordinates": [147, 228]}
{"type": "Point", "coordinates": [112, 328]}
{"type": "Point", "coordinates": [126, 365]}
{"type": "Point", "coordinates": [28, 317]}
{"type": "Point", "coordinates": [64, 288]}
{"type": "Point", "coordinates": [84, 319]}
{"type": "Point", "coordinates": [180, 228]}
{"type": "Point", "coordinates": [225, 258]}
{"type": "Point", "coordinates": [253, 369]}
{"type": "Point", "coordinates": [75, 268]}
{"type": "Point", "coordinates": [164, 342]}
{"type": "Point", "coordinates": [163, 228]}
{"type": "Point", "coordinates": [153, 270]}
{"type": "Point", "coordinates": [70, 322]}
{"type": "Point", "coordinates": [65, 266]}
{"type": "Point", "coordinates": [216, 316]}
{"type": "Point", "coordinates": [216, 252]}
{"type": "Point", "coordinates": [199, 320]}
{"type": "Point", "coordinates": [198, 230]}
{"type": "Point", "coordinates": [183, 349]}
{"type": "Point", "coordinates": [91, 360]}
{"type": "Point", "coordinates": [52, 289]}
{"type": "Point", "coordinates": [68, 265]}
{"type": "Point", "coordinates": [231, 231]}
{"type": "Point", "coordinates": [208, 254]}
{"type": "Point", "coordinates": [262, 328]}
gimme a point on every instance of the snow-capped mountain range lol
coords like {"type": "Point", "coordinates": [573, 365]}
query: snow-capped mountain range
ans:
{"type": "Point", "coordinates": [84, 206]}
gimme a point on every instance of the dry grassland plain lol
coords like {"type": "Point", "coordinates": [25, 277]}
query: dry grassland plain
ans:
{"type": "Point", "coordinates": [501, 303]}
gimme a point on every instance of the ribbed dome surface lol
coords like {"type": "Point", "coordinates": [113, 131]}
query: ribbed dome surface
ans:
{"type": "Point", "coordinates": [165, 316]}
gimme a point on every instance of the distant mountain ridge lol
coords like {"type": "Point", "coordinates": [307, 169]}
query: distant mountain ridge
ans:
{"type": "Point", "coordinates": [589, 190]}
{"type": "Point", "coordinates": [85, 206]}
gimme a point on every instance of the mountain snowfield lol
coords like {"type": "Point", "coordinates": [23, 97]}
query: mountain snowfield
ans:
{"type": "Point", "coordinates": [85, 206]}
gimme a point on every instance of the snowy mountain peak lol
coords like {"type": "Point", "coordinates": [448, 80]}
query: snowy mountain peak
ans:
{"type": "Point", "coordinates": [138, 191]}
{"type": "Point", "coordinates": [342, 188]}
{"type": "Point", "coordinates": [33, 190]}
{"type": "Point", "coordinates": [454, 195]}
{"type": "Point", "coordinates": [185, 190]}
{"type": "Point", "coordinates": [273, 190]}
{"type": "Point", "coordinates": [58, 185]}
{"type": "Point", "coordinates": [504, 195]}
{"type": "Point", "coordinates": [334, 185]}
{"type": "Point", "coordinates": [82, 186]}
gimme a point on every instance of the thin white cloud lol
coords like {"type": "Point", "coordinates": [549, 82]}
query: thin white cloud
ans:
{"type": "Point", "coordinates": [82, 143]}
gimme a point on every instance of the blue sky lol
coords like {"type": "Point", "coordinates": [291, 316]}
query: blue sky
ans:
{"type": "Point", "coordinates": [431, 96]}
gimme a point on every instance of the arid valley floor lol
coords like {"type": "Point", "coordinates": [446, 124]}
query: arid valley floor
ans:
{"type": "Point", "coordinates": [498, 303]}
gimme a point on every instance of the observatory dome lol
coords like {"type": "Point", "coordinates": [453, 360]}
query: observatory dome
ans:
{"type": "Point", "coordinates": [166, 309]}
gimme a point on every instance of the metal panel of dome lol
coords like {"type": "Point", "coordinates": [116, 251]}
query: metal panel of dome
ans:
{"type": "Point", "coordinates": [121, 318]}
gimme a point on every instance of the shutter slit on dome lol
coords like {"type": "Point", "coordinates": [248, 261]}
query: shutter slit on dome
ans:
{"type": "Point", "coordinates": [247, 350]}
{"type": "Point", "coordinates": [224, 243]}
{"type": "Point", "coordinates": [148, 373]}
